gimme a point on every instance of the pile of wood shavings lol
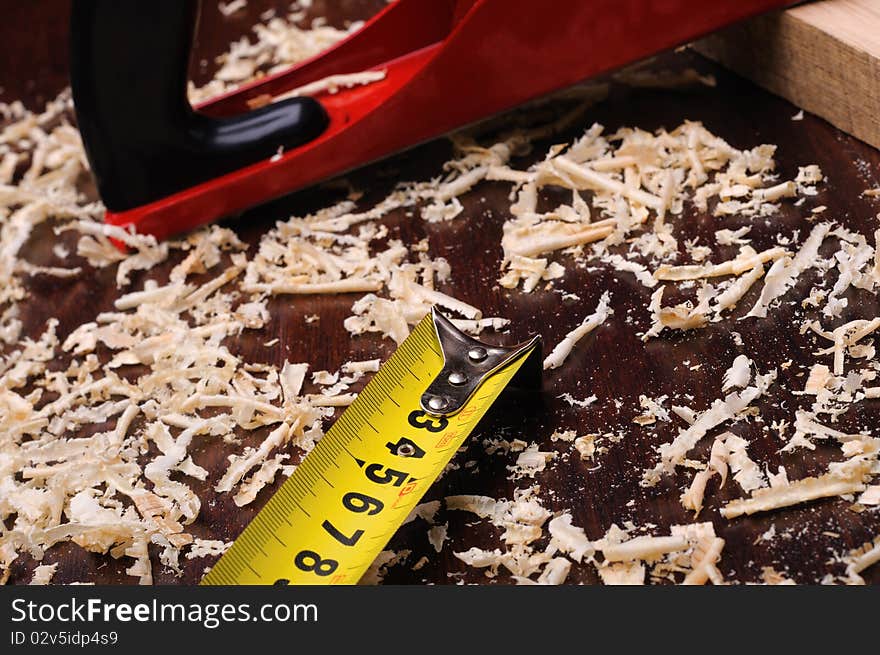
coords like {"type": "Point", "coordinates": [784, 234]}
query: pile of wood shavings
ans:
{"type": "Point", "coordinates": [97, 453]}
{"type": "Point", "coordinates": [278, 42]}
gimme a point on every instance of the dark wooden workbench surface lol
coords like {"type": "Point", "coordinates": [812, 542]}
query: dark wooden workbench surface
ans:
{"type": "Point", "coordinates": [612, 363]}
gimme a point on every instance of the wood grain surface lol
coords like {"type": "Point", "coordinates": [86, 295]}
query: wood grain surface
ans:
{"type": "Point", "coordinates": [823, 56]}
{"type": "Point", "coordinates": [612, 363]}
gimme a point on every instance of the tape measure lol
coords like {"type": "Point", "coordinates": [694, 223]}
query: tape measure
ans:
{"type": "Point", "coordinates": [340, 507]}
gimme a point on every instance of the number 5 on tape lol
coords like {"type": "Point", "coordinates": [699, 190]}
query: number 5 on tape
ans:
{"type": "Point", "coordinates": [332, 517]}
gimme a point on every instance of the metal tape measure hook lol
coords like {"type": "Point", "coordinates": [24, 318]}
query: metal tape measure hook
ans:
{"type": "Point", "coordinates": [467, 363]}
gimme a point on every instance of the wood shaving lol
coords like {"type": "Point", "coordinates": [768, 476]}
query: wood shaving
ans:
{"type": "Point", "coordinates": [229, 8]}
{"type": "Point", "coordinates": [332, 83]}
{"type": "Point", "coordinates": [684, 316]}
{"type": "Point", "coordinates": [379, 568]}
{"type": "Point", "coordinates": [623, 574]}
{"type": "Point", "coordinates": [860, 559]}
{"type": "Point", "coordinates": [746, 261]}
{"type": "Point", "coordinates": [692, 498]}
{"type": "Point", "coordinates": [871, 496]}
{"type": "Point", "coordinates": [745, 471]}
{"type": "Point", "coordinates": [820, 376]}
{"type": "Point", "coordinates": [842, 479]}
{"type": "Point", "coordinates": [574, 402]}
{"type": "Point", "coordinates": [437, 535]}
{"type": "Point", "coordinates": [586, 446]}
{"type": "Point", "coordinates": [561, 351]}
{"type": "Point", "coordinates": [569, 538]}
{"type": "Point", "coordinates": [530, 462]}
{"type": "Point", "coordinates": [690, 549]}
{"type": "Point", "coordinates": [727, 237]}
{"type": "Point", "coordinates": [739, 373]}
{"type": "Point", "coordinates": [43, 574]}
{"type": "Point", "coordinates": [641, 548]}
{"type": "Point", "coordinates": [207, 548]}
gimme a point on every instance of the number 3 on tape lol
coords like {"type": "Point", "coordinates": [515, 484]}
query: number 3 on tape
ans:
{"type": "Point", "coordinates": [337, 511]}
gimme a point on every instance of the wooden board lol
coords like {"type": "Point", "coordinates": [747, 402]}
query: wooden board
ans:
{"type": "Point", "coordinates": [822, 56]}
{"type": "Point", "coordinates": [614, 364]}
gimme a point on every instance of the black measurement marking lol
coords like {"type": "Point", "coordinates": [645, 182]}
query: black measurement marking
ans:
{"type": "Point", "coordinates": [323, 459]}
{"type": "Point", "coordinates": [273, 519]}
{"type": "Point", "coordinates": [305, 478]}
{"type": "Point", "coordinates": [394, 401]}
{"type": "Point", "coordinates": [279, 540]}
{"type": "Point", "coordinates": [373, 427]}
{"type": "Point", "coordinates": [409, 370]}
{"type": "Point", "coordinates": [302, 508]}
{"type": "Point", "coordinates": [332, 486]}
{"type": "Point", "coordinates": [254, 571]}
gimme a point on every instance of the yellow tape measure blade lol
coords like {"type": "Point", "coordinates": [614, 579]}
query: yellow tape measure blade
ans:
{"type": "Point", "coordinates": [344, 502]}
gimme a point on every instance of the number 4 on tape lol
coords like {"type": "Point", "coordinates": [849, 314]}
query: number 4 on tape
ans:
{"type": "Point", "coordinates": [337, 511]}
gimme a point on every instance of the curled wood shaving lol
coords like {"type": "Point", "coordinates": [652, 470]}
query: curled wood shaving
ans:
{"type": "Point", "coordinates": [684, 316]}
{"type": "Point", "coordinates": [641, 548]}
{"type": "Point", "coordinates": [734, 292]}
{"type": "Point", "coordinates": [844, 478]}
{"type": "Point", "coordinates": [692, 498]}
{"type": "Point", "coordinates": [559, 353]}
{"type": "Point", "coordinates": [746, 261]}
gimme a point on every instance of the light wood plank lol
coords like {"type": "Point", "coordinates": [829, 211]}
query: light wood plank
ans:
{"type": "Point", "coordinates": [822, 56]}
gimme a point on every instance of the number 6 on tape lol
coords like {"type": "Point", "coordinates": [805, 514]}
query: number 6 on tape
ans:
{"type": "Point", "coordinates": [337, 511]}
